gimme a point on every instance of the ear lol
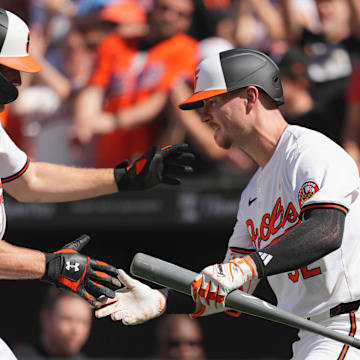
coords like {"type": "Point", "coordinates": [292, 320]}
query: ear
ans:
{"type": "Point", "coordinates": [252, 96]}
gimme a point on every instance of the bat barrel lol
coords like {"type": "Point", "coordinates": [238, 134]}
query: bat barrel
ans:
{"type": "Point", "coordinates": [175, 277]}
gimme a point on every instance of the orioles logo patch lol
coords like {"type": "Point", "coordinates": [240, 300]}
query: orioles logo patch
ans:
{"type": "Point", "coordinates": [307, 191]}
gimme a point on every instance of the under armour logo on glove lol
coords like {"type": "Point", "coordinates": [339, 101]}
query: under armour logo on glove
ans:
{"type": "Point", "coordinates": [89, 278]}
{"type": "Point", "coordinates": [76, 267]}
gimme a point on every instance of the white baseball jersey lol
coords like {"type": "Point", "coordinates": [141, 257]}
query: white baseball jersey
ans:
{"type": "Point", "coordinates": [306, 170]}
{"type": "Point", "coordinates": [13, 163]}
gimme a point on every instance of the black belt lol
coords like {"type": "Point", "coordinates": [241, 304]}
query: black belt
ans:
{"type": "Point", "coordinates": [344, 308]}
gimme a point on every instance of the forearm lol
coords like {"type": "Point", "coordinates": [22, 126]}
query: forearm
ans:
{"type": "Point", "coordinates": [53, 78]}
{"type": "Point", "coordinates": [87, 107]}
{"type": "Point", "coordinates": [309, 241]}
{"type": "Point", "coordinates": [355, 12]}
{"type": "Point", "coordinates": [142, 112]}
{"type": "Point", "coordinates": [45, 182]}
{"type": "Point", "coordinates": [271, 18]}
{"type": "Point", "coordinates": [293, 28]}
{"type": "Point", "coordinates": [18, 263]}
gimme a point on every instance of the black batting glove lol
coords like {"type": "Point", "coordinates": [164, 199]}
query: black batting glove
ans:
{"type": "Point", "coordinates": [155, 167]}
{"type": "Point", "coordinates": [89, 278]}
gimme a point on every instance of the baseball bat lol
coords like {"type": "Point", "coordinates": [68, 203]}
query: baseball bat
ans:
{"type": "Point", "coordinates": [178, 278]}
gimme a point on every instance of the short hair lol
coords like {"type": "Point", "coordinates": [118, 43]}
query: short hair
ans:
{"type": "Point", "coordinates": [53, 295]}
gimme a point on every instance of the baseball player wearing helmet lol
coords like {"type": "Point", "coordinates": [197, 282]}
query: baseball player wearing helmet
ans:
{"type": "Point", "coordinates": [298, 219]}
{"type": "Point", "coordinates": [43, 182]}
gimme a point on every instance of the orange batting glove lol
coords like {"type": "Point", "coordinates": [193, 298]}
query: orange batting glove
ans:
{"type": "Point", "coordinates": [211, 287]}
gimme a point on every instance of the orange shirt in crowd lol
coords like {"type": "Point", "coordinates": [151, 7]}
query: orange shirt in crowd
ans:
{"type": "Point", "coordinates": [130, 77]}
{"type": "Point", "coordinates": [3, 116]}
{"type": "Point", "coordinates": [353, 93]}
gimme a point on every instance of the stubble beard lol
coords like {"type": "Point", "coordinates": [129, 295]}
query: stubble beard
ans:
{"type": "Point", "coordinates": [224, 142]}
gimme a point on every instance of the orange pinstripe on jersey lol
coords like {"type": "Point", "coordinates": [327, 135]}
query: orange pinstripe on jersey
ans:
{"type": "Point", "coordinates": [351, 333]}
{"type": "Point", "coordinates": [18, 174]}
{"type": "Point", "coordinates": [324, 205]}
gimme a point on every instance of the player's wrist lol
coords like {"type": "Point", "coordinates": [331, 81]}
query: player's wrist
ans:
{"type": "Point", "coordinates": [247, 268]}
{"type": "Point", "coordinates": [52, 267]}
{"type": "Point", "coordinates": [162, 300]}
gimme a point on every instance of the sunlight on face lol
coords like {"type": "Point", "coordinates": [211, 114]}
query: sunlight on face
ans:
{"type": "Point", "coordinates": [221, 113]}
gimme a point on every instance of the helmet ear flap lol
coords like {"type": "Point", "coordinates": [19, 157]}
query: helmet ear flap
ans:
{"type": "Point", "coordinates": [8, 92]}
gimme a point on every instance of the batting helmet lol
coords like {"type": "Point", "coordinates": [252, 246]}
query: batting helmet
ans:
{"type": "Point", "coordinates": [235, 69]}
{"type": "Point", "coordinates": [14, 52]}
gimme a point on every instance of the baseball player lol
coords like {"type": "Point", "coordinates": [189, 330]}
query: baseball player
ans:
{"type": "Point", "coordinates": [298, 218]}
{"type": "Point", "coordinates": [43, 182]}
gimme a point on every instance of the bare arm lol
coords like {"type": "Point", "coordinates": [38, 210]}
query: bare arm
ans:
{"type": "Point", "coordinates": [355, 14]}
{"type": "Point", "coordinates": [271, 18]}
{"type": "Point", "coordinates": [45, 182]}
{"type": "Point", "coordinates": [142, 112]}
{"type": "Point", "coordinates": [135, 115]}
{"type": "Point", "coordinates": [293, 27]}
{"type": "Point", "coordinates": [20, 263]}
{"type": "Point", "coordinates": [88, 107]}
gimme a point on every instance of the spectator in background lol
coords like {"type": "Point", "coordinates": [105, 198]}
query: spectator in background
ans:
{"type": "Point", "coordinates": [300, 108]}
{"type": "Point", "coordinates": [45, 106]}
{"type": "Point", "coordinates": [332, 52]}
{"type": "Point", "coordinates": [179, 338]}
{"type": "Point", "coordinates": [212, 18]}
{"type": "Point", "coordinates": [258, 23]}
{"type": "Point", "coordinates": [133, 77]}
{"type": "Point", "coordinates": [65, 324]}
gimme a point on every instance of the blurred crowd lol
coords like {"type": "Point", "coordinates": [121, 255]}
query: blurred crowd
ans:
{"type": "Point", "coordinates": [114, 72]}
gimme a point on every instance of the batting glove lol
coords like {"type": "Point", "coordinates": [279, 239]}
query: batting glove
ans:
{"type": "Point", "coordinates": [133, 304]}
{"type": "Point", "coordinates": [153, 168]}
{"type": "Point", "coordinates": [211, 287]}
{"type": "Point", "coordinates": [89, 278]}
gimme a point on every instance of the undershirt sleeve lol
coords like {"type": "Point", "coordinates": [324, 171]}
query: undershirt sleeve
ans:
{"type": "Point", "coordinates": [319, 234]}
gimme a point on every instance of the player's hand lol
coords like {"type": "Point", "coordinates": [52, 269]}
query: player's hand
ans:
{"type": "Point", "coordinates": [155, 167]}
{"type": "Point", "coordinates": [89, 278]}
{"type": "Point", "coordinates": [211, 287]}
{"type": "Point", "coordinates": [133, 304]}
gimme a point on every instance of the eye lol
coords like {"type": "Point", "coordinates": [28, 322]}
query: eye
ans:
{"type": "Point", "coordinates": [210, 102]}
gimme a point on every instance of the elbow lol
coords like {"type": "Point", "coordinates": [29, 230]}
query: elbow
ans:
{"type": "Point", "coordinates": [334, 239]}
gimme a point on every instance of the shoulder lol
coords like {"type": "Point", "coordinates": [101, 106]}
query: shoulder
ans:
{"type": "Point", "coordinates": [302, 139]}
{"type": "Point", "coordinates": [309, 149]}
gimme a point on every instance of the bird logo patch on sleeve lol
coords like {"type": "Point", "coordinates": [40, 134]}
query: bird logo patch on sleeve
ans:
{"type": "Point", "coordinates": [307, 191]}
